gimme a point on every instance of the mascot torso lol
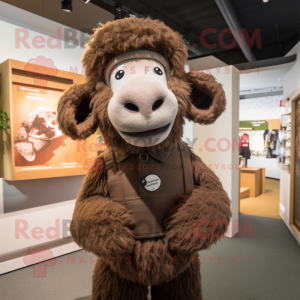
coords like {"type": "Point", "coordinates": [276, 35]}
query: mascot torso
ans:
{"type": "Point", "coordinates": [149, 185]}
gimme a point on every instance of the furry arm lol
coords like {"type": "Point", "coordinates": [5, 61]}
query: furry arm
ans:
{"type": "Point", "coordinates": [100, 225]}
{"type": "Point", "coordinates": [202, 217]}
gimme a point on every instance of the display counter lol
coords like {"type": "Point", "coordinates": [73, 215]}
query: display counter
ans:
{"type": "Point", "coordinates": [272, 166]}
{"type": "Point", "coordinates": [254, 179]}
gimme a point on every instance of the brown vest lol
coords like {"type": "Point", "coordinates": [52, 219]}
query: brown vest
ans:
{"type": "Point", "coordinates": [149, 185]}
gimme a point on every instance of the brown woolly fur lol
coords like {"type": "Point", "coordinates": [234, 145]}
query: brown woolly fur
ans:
{"type": "Point", "coordinates": [132, 34]}
{"type": "Point", "coordinates": [201, 218]}
{"type": "Point", "coordinates": [98, 224]}
{"type": "Point", "coordinates": [128, 265]}
{"type": "Point", "coordinates": [66, 111]}
{"type": "Point", "coordinates": [204, 85]}
{"type": "Point", "coordinates": [187, 286]}
{"type": "Point", "coordinates": [191, 90]}
{"type": "Point", "coordinates": [152, 263]}
{"type": "Point", "coordinates": [108, 285]}
{"type": "Point", "coordinates": [104, 227]}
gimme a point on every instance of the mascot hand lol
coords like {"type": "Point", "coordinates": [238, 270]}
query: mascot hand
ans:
{"type": "Point", "coordinates": [103, 227]}
{"type": "Point", "coordinates": [198, 221]}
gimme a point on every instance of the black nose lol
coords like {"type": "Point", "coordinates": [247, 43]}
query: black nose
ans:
{"type": "Point", "coordinates": [131, 106]}
{"type": "Point", "coordinates": [157, 104]}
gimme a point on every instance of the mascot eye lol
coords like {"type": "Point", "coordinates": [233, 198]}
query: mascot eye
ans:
{"type": "Point", "coordinates": [120, 74]}
{"type": "Point", "coordinates": [158, 71]}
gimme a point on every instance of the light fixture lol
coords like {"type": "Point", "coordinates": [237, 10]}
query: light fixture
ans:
{"type": "Point", "coordinates": [118, 12]}
{"type": "Point", "coordinates": [66, 5]}
{"type": "Point", "coordinates": [265, 1]}
{"type": "Point", "coordinates": [86, 1]}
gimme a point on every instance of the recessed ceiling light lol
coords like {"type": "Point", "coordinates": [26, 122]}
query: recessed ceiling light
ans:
{"type": "Point", "coordinates": [278, 79]}
{"type": "Point", "coordinates": [66, 5]}
{"type": "Point", "coordinates": [265, 1]}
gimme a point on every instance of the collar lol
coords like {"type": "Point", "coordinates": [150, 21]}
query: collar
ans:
{"type": "Point", "coordinates": [162, 156]}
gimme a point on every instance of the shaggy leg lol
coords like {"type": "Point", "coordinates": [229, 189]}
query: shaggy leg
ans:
{"type": "Point", "coordinates": [187, 286]}
{"type": "Point", "coordinates": [107, 285]}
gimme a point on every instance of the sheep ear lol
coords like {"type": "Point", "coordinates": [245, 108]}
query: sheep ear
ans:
{"type": "Point", "coordinates": [207, 98]}
{"type": "Point", "coordinates": [74, 112]}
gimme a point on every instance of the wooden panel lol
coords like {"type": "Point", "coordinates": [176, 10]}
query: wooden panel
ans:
{"type": "Point", "coordinates": [251, 177]}
{"type": "Point", "coordinates": [45, 75]}
{"type": "Point", "coordinates": [38, 82]}
{"type": "Point", "coordinates": [248, 180]}
{"type": "Point", "coordinates": [293, 98]}
{"type": "Point", "coordinates": [296, 232]}
{"type": "Point", "coordinates": [274, 124]}
{"type": "Point", "coordinates": [240, 188]}
{"type": "Point", "coordinates": [61, 156]}
{"type": "Point", "coordinates": [250, 170]}
{"type": "Point", "coordinates": [295, 188]}
{"type": "Point", "coordinates": [5, 104]}
{"type": "Point", "coordinates": [20, 65]}
{"type": "Point", "coordinates": [292, 163]}
{"type": "Point", "coordinates": [257, 183]}
{"type": "Point", "coordinates": [244, 192]}
{"type": "Point", "coordinates": [263, 180]}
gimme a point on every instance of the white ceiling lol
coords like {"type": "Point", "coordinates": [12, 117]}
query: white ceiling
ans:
{"type": "Point", "coordinates": [263, 79]}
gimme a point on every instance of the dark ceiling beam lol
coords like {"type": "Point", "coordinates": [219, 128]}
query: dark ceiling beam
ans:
{"type": "Point", "coordinates": [192, 49]}
{"type": "Point", "coordinates": [206, 52]}
{"type": "Point", "coordinates": [233, 23]}
{"type": "Point", "coordinates": [267, 62]}
{"type": "Point", "coordinates": [148, 10]}
{"type": "Point", "coordinates": [124, 8]}
{"type": "Point", "coordinates": [145, 9]}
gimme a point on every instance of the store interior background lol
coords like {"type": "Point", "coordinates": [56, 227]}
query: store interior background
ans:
{"type": "Point", "coordinates": [263, 108]}
{"type": "Point", "coordinates": [274, 244]}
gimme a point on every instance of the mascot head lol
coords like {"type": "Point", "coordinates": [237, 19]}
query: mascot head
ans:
{"type": "Point", "coordinates": [137, 91]}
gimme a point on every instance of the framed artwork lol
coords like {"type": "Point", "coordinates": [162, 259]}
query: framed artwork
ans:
{"type": "Point", "coordinates": [34, 147]}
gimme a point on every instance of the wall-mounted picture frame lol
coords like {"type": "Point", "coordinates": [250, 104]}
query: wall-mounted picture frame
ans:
{"type": "Point", "coordinates": [34, 147]}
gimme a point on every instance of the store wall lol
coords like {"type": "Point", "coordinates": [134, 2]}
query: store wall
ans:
{"type": "Point", "coordinates": [205, 63]}
{"type": "Point", "coordinates": [39, 202]}
{"type": "Point", "coordinates": [291, 85]}
{"type": "Point", "coordinates": [291, 80]}
{"type": "Point", "coordinates": [216, 144]}
{"type": "Point", "coordinates": [295, 50]}
{"type": "Point", "coordinates": [14, 46]}
{"type": "Point", "coordinates": [23, 195]}
{"type": "Point", "coordinates": [188, 132]}
{"type": "Point", "coordinates": [261, 108]}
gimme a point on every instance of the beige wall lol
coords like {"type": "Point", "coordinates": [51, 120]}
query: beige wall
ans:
{"type": "Point", "coordinates": [84, 16]}
{"type": "Point", "coordinates": [223, 162]}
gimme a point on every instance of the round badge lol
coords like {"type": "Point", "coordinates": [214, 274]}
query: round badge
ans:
{"type": "Point", "coordinates": [144, 157]}
{"type": "Point", "coordinates": [151, 182]}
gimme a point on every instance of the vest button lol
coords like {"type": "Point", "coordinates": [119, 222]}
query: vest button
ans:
{"type": "Point", "coordinates": [144, 157]}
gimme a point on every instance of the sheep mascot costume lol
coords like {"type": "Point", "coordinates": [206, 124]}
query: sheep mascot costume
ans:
{"type": "Point", "coordinates": [148, 204]}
